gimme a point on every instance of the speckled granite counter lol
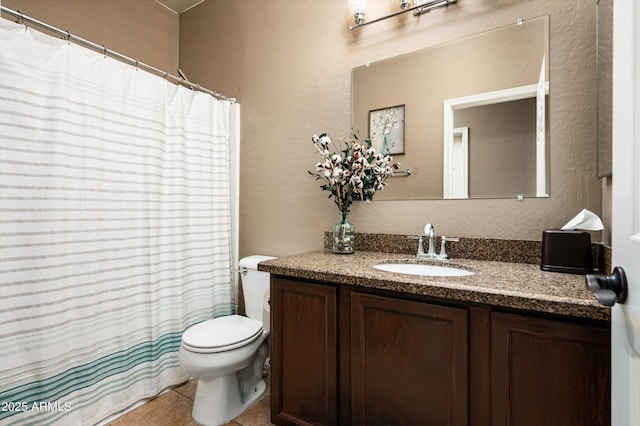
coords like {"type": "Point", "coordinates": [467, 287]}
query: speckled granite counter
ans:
{"type": "Point", "coordinates": [511, 285]}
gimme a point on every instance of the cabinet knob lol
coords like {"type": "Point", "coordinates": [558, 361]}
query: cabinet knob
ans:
{"type": "Point", "coordinates": [609, 289]}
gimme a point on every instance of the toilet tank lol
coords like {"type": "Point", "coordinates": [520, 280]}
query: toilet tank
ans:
{"type": "Point", "coordinates": [254, 284]}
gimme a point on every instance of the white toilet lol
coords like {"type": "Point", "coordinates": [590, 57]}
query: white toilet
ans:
{"type": "Point", "coordinates": [227, 354]}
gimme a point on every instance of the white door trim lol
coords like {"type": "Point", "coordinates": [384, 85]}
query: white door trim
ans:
{"type": "Point", "coordinates": [456, 165]}
{"type": "Point", "coordinates": [490, 98]}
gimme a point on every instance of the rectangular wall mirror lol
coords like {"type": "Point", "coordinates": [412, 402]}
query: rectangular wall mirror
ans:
{"type": "Point", "coordinates": [475, 117]}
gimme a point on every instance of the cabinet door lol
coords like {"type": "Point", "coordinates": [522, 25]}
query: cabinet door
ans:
{"type": "Point", "coordinates": [303, 353]}
{"type": "Point", "coordinates": [409, 362]}
{"type": "Point", "coordinates": [549, 372]}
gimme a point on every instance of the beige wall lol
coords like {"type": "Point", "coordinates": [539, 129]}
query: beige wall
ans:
{"type": "Point", "coordinates": [289, 63]}
{"type": "Point", "coordinates": [502, 153]}
{"type": "Point", "coordinates": [140, 29]}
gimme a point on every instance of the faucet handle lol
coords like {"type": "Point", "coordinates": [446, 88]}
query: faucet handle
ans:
{"type": "Point", "coordinates": [420, 244]}
{"type": "Point", "coordinates": [443, 240]}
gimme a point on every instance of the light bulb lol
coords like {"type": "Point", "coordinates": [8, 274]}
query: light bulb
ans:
{"type": "Point", "coordinates": [358, 7]}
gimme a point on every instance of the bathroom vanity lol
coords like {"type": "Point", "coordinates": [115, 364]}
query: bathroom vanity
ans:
{"type": "Point", "coordinates": [509, 345]}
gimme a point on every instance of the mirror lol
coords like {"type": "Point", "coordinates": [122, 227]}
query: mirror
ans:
{"type": "Point", "coordinates": [473, 122]}
{"type": "Point", "coordinates": [604, 57]}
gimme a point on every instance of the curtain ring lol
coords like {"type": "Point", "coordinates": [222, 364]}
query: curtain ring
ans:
{"type": "Point", "coordinates": [104, 50]}
{"type": "Point", "coordinates": [136, 63]}
{"type": "Point", "coordinates": [68, 36]}
{"type": "Point", "coordinates": [20, 20]}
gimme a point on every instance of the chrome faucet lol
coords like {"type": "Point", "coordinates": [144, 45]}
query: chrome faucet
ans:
{"type": "Point", "coordinates": [429, 232]}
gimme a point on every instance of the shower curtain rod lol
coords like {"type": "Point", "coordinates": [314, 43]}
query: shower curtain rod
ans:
{"type": "Point", "coordinates": [102, 49]}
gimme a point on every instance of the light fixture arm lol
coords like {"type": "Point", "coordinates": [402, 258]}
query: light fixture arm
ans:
{"type": "Point", "coordinates": [417, 10]}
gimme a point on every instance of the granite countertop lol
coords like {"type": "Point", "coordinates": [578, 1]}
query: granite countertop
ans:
{"type": "Point", "coordinates": [511, 285]}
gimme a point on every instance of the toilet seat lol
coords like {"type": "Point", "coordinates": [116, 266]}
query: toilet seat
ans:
{"type": "Point", "coordinates": [221, 334]}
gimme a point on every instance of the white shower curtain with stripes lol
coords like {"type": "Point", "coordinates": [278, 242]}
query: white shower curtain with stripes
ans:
{"type": "Point", "coordinates": [114, 229]}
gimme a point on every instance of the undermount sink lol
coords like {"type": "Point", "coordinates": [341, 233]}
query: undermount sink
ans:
{"type": "Point", "coordinates": [423, 269]}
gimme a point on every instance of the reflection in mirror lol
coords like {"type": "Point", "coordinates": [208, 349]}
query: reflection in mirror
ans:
{"type": "Point", "coordinates": [490, 90]}
{"type": "Point", "coordinates": [503, 152]}
{"type": "Point", "coordinates": [502, 156]}
{"type": "Point", "coordinates": [604, 56]}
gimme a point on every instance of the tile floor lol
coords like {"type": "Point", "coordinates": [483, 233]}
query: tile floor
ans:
{"type": "Point", "coordinates": [173, 408]}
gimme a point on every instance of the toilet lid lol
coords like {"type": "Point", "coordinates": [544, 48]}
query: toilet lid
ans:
{"type": "Point", "coordinates": [222, 333]}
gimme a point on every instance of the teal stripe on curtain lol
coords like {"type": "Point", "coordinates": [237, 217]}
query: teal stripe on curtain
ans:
{"type": "Point", "coordinates": [115, 228]}
{"type": "Point", "coordinates": [88, 398]}
{"type": "Point", "coordinates": [58, 387]}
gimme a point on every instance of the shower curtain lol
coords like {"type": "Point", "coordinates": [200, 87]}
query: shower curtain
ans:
{"type": "Point", "coordinates": [115, 228]}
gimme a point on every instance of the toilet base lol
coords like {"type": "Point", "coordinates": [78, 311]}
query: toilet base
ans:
{"type": "Point", "coordinates": [220, 399]}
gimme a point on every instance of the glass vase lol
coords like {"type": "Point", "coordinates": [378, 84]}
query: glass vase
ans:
{"type": "Point", "coordinates": [344, 235]}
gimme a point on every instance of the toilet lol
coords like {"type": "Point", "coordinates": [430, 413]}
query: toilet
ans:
{"type": "Point", "coordinates": [227, 354]}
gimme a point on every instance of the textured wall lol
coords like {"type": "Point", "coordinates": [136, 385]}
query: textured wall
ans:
{"type": "Point", "coordinates": [140, 29]}
{"type": "Point", "coordinates": [289, 63]}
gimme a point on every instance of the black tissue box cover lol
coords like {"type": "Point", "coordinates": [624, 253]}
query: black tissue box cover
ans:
{"type": "Point", "coordinates": [566, 251]}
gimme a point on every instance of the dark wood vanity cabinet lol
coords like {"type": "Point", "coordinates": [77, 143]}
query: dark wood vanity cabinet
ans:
{"type": "Point", "coordinates": [408, 362]}
{"type": "Point", "coordinates": [341, 355]}
{"type": "Point", "coordinates": [304, 363]}
{"type": "Point", "coordinates": [549, 372]}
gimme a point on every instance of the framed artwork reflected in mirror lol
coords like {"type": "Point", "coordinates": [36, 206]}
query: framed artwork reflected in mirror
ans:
{"type": "Point", "coordinates": [386, 129]}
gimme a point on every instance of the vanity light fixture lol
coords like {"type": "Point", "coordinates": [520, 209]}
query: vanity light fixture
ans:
{"type": "Point", "coordinates": [419, 7]}
{"type": "Point", "coordinates": [358, 7]}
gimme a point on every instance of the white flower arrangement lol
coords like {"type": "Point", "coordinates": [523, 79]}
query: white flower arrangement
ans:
{"type": "Point", "coordinates": [383, 124]}
{"type": "Point", "coordinates": [350, 170]}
